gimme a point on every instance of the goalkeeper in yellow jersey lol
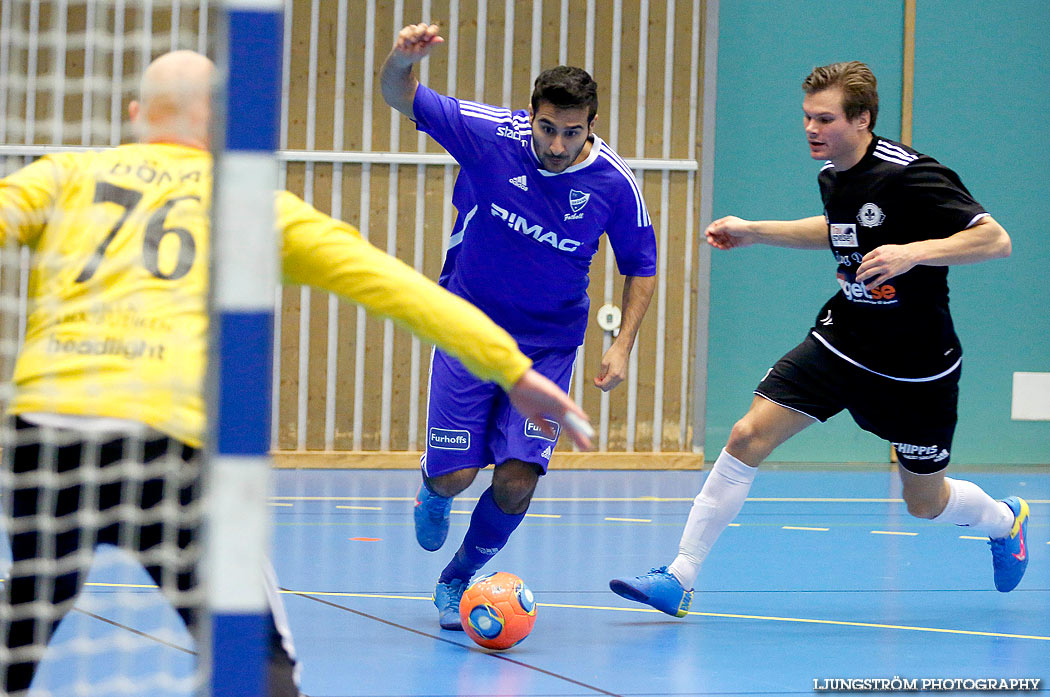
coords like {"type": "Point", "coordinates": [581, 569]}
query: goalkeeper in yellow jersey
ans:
{"type": "Point", "coordinates": [108, 404]}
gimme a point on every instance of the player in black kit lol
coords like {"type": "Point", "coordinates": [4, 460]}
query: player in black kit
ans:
{"type": "Point", "coordinates": [895, 220]}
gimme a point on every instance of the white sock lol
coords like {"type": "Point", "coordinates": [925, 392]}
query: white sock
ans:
{"type": "Point", "coordinates": [969, 506]}
{"type": "Point", "coordinates": [719, 501]}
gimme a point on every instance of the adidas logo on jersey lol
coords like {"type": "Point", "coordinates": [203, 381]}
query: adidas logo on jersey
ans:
{"type": "Point", "coordinates": [519, 182]}
{"type": "Point", "coordinates": [546, 453]}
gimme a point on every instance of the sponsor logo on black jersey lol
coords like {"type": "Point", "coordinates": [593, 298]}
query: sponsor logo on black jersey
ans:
{"type": "Point", "coordinates": [850, 259]}
{"type": "Point", "coordinates": [870, 215]}
{"type": "Point", "coordinates": [857, 292]}
{"type": "Point", "coordinates": [844, 235]}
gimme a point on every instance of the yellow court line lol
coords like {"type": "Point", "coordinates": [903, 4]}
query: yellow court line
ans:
{"type": "Point", "coordinates": [723, 615]}
{"type": "Point", "coordinates": [807, 620]}
{"type": "Point", "coordinates": [543, 515]}
{"type": "Point", "coordinates": [381, 596]}
{"type": "Point", "coordinates": [462, 512]}
{"type": "Point", "coordinates": [776, 499]}
{"type": "Point", "coordinates": [610, 499]}
{"type": "Point", "coordinates": [971, 537]}
{"type": "Point", "coordinates": [630, 520]}
{"type": "Point", "coordinates": [362, 508]}
{"type": "Point", "coordinates": [342, 498]}
{"type": "Point", "coordinates": [795, 527]}
{"type": "Point", "coordinates": [275, 503]}
{"type": "Point", "coordinates": [585, 499]}
{"type": "Point", "coordinates": [893, 532]}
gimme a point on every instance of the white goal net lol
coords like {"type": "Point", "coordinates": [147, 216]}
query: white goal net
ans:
{"type": "Point", "coordinates": [96, 514]}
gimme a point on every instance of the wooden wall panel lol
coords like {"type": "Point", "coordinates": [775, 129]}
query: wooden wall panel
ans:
{"type": "Point", "coordinates": [475, 32]}
{"type": "Point", "coordinates": [331, 393]}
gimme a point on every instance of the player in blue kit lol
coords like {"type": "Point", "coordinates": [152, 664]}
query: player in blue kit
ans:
{"type": "Point", "coordinates": [884, 348]}
{"type": "Point", "coordinates": [536, 190]}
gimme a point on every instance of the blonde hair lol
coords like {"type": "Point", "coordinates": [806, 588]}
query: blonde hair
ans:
{"type": "Point", "coordinates": [859, 88]}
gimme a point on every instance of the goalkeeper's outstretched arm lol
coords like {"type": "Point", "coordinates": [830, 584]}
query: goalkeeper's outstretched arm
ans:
{"type": "Point", "coordinates": [320, 251]}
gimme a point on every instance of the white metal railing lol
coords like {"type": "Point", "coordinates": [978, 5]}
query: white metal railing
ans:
{"type": "Point", "coordinates": [356, 30]}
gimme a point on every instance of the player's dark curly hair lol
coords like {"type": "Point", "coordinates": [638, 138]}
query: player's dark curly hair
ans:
{"type": "Point", "coordinates": [566, 87]}
{"type": "Point", "coordinates": [859, 89]}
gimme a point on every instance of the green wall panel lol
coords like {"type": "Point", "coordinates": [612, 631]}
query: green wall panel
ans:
{"type": "Point", "coordinates": [764, 299]}
{"type": "Point", "coordinates": [982, 96]}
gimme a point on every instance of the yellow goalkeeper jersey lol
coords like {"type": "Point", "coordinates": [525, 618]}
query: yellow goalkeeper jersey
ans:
{"type": "Point", "coordinates": [117, 319]}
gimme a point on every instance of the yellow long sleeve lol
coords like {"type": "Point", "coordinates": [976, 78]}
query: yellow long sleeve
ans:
{"type": "Point", "coordinates": [325, 253]}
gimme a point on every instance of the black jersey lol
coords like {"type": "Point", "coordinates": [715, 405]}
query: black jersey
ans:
{"type": "Point", "coordinates": [894, 195]}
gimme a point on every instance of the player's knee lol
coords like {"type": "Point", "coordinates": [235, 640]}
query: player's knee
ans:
{"type": "Point", "coordinates": [452, 483]}
{"type": "Point", "coordinates": [513, 486]}
{"type": "Point", "coordinates": [744, 438]}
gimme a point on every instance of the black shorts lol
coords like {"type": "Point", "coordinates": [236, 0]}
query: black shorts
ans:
{"type": "Point", "coordinates": [918, 418]}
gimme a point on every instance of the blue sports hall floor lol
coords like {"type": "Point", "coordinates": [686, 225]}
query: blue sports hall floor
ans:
{"type": "Point", "coordinates": [822, 577]}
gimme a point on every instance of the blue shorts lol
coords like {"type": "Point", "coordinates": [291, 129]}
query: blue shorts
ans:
{"type": "Point", "coordinates": [471, 423]}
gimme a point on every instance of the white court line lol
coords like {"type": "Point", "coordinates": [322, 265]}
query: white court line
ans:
{"type": "Point", "coordinates": [893, 532]}
{"type": "Point", "coordinates": [796, 527]}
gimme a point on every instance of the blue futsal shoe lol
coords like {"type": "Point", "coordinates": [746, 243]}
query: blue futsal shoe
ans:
{"type": "Point", "coordinates": [1010, 553]}
{"type": "Point", "coordinates": [446, 599]}
{"type": "Point", "coordinates": [658, 588]}
{"type": "Point", "coordinates": [431, 516]}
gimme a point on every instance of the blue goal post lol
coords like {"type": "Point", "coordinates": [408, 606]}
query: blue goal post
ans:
{"type": "Point", "coordinates": [244, 278]}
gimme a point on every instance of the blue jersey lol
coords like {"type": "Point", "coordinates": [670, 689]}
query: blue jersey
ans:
{"type": "Point", "coordinates": [524, 237]}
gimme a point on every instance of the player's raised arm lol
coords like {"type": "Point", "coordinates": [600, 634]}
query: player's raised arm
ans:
{"type": "Point", "coordinates": [731, 232]}
{"type": "Point", "coordinates": [412, 45]}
